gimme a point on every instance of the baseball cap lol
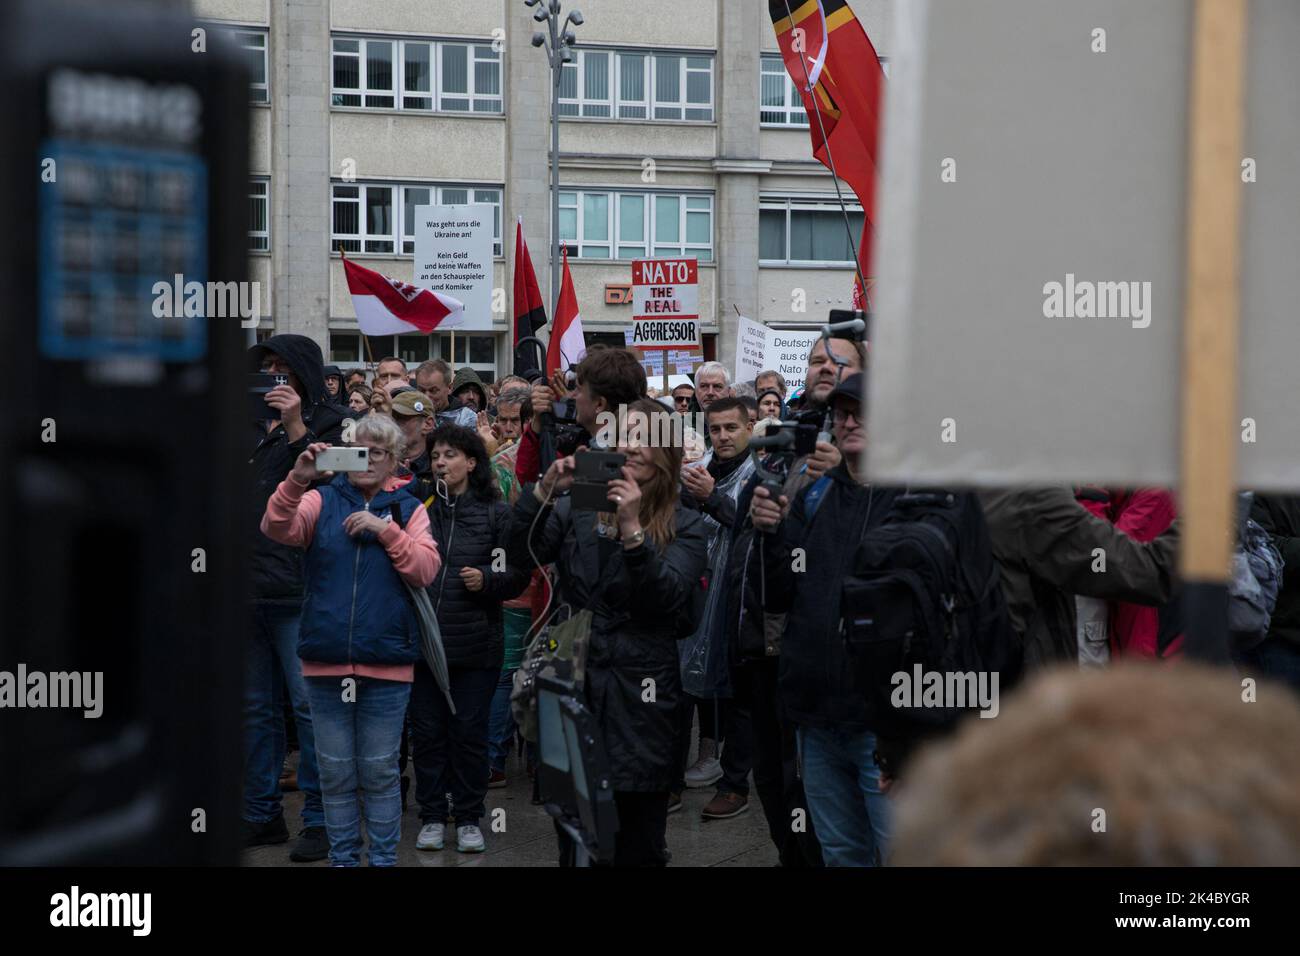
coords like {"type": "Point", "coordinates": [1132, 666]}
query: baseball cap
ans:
{"type": "Point", "coordinates": [852, 388]}
{"type": "Point", "coordinates": [412, 403]}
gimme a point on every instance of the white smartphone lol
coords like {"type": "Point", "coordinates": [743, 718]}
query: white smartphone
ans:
{"type": "Point", "coordinates": [343, 459]}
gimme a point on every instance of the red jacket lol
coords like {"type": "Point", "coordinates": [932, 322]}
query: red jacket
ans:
{"type": "Point", "coordinates": [1144, 515]}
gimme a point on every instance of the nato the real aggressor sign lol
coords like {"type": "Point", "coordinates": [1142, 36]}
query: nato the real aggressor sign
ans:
{"type": "Point", "coordinates": [665, 304]}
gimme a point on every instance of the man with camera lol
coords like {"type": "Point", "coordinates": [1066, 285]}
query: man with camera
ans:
{"type": "Point", "coordinates": [298, 412]}
{"type": "Point", "coordinates": [834, 726]}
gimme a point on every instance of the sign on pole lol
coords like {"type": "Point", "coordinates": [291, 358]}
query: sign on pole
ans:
{"type": "Point", "coordinates": [665, 304]}
{"type": "Point", "coordinates": [453, 254]}
{"type": "Point", "coordinates": [751, 341]}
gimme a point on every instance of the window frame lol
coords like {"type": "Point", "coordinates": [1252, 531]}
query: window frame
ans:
{"type": "Point", "coordinates": [615, 103]}
{"type": "Point", "coordinates": [792, 107]}
{"type": "Point", "coordinates": [265, 197]}
{"type": "Point", "coordinates": [790, 204]}
{"type": "Point", "coordinates": [237, 34]}
{"type": "Point", "coordinates": [477, 52]}
{"type": "Point", "coordinates": [398, 235]}
{"type": "Point", "coordinates": [682, 248]}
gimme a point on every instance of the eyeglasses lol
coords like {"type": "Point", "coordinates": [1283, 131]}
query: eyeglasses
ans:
{"type": "Point", "coordinates": [379, 454]}
{"type": "Point", "coordinates": [842, 415]}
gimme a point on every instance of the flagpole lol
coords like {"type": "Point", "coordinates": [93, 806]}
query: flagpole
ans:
{"type": "Point", "coordinates": [848, 227]}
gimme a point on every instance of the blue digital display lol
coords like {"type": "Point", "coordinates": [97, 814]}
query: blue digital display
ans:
{"type": "Point", "coordinates": [116, 221]}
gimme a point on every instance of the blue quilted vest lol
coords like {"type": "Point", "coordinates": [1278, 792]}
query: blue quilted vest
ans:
{"type": "Point", "coordinates": [357, 609]}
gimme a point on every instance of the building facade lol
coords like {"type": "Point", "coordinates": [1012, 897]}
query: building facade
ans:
{"type": "Point", "coordinates": [681, 135]}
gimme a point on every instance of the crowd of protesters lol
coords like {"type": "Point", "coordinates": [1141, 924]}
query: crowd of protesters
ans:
{"type": "Point", "coordinates": [715, 576]}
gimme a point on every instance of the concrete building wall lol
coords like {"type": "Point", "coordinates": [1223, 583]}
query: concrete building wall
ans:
{"type": "Point", "coordinates": [406, 146]}
{"type": "Point", "coordinates": [237, 11]}
{"type": "Point", "coordinates": [474, 18]}
{"type": "Point", "coordinates": [666, 23]}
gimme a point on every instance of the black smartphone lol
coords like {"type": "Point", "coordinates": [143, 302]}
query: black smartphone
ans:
{"type": "Point", "coordinates": [259, 383]}
{"type": "Point", "coordinates": [591, 476]}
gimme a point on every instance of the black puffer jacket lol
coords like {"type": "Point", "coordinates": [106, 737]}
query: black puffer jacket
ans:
{"type": "Point", "coordinates": [277, 568]}
{"type": "Point", "coordinates": [467, 529]}
{"type": "Point", "coordinates": [817, 686]}
{"type": "Point", "coordinates": [636, 598]}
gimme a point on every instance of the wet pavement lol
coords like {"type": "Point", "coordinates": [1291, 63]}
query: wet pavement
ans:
{"type": "Point", "coordinates": [525, 835]}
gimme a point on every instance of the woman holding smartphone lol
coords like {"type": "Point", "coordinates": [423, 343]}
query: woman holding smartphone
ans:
{"type": "Point", "coordinates": [365, 539]}
{"type": "Point", "coordinates": [635, 570]}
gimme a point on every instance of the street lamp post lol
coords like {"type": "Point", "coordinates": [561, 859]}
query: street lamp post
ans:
{"type": "Point", "coordinates": [559, 51]}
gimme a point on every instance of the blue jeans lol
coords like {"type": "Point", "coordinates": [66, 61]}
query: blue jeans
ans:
{"type": "Point", "coordinates": [357, 743]}
{"type": "Point", "coordinates": [501, 722]}
{"type": "Point", "coordinates": [272, 647]}
{"type": "Point", "coordinates": [842, 784]}
{"type": "Point", "coordinates": [1274, 658]}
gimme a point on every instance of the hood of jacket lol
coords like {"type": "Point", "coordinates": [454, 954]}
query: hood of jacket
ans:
{"type": "Point", "coordinates": [468, 378]}
{"type": "Point", "coordinates": [303, 356]}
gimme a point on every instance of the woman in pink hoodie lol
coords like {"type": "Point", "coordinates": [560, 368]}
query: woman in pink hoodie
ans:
{"type": "Point", "coordinates": [366, 539]}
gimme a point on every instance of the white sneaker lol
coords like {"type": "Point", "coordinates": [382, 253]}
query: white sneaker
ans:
{"type": "Point", "coordinates": [430, 837]}
{"type": "Point", "coordinates": [705, 772]}
{"type": "Point", "coordinates": [469, 839]}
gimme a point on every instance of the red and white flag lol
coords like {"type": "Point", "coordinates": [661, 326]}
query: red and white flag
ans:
{"type": "Point", "coordinates": [387, 306]}
{"type": "Point", "coordinates": [567, 343]}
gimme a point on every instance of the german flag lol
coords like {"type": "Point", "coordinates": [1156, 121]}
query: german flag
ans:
{"type": "Point", "coordinates": [839, 76]}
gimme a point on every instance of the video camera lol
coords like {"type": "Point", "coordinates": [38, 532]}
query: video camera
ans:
{"type": "Point", "coordinates": [798, 435]}
{"type": "Point", "coordinates": [573, 775]}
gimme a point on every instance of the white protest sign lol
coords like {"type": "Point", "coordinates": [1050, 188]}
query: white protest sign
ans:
{"type": "Point", "coordinates": [665, 304]}
{"type": "Point", "coordinates": [453, 254]}
{"type": "Point", "coordinates": [787, 352]}
{"type": "Point", "coordinates": [751, 343]}
{"type": "Point", "coordinates": [1032, 282]}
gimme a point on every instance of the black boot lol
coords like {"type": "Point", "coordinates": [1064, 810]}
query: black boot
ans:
{"type": "Point", "coordinates": [265, 834]}
{"type": "Point", "coordinates": [312, 845]}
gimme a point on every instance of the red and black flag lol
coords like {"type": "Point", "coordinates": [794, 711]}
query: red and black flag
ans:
{"type": "Point", "coordinates": [836, 70]}
{"type": "Point", "coordinates": [529, 309]}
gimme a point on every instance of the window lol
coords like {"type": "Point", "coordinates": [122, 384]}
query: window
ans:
{"type": "Point", "coordinates": [259, 234]}
{"type": "Point", "coordinates": [476, 351]}
{"type": "Point", "coordinates": [413, 196]}
{"type": "Point", "coordinates": [636, 225]}
{"type": "Point", "coordinates": [253, 43]}
{"type": "Point", "coordinates": [365, 220]}
{"type": "Point", "coordinates": [806, 232]}
{"type": "Point", "coordinates": [780, 103]}
{"type": "Point", "coordinates": [345, 347]}
{"type": "Point", "coordinates": [605, 84]}
{"type": "Point", "coordinates": [416, 75]}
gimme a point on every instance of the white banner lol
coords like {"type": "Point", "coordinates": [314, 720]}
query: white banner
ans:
{"type": "Point", "coordinates": [453, 255]}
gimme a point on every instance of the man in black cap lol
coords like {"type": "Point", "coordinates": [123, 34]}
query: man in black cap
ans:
{"type": "Point", "coordinates": [297, 414]}
{"type": "Point", "coordinates": [823, 527]}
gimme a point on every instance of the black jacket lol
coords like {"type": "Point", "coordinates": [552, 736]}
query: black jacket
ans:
{"type": "Point", "coordinates": [816, 681]}
{"type": "Point", "coordinates": [467, 529]}
{"type": "Point", "coordinates": [277, 569]}
{"type": "Point", "coordinates": [1279, 515]}
{"type": "Point", "coordinates": [1047, 545]}
{"type": "Point", "coordinates": [636, 598]}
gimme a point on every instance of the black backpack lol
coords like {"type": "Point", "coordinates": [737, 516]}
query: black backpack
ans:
{"type": "Point", "coordinates": [924, 589]}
